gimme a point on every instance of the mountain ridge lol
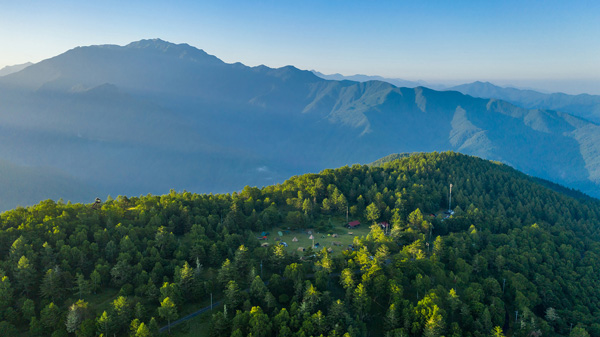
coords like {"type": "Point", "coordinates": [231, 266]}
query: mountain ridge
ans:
{"type": "Point", "coordinates": [7, 70]}
{"type": "Point", "coordinates": [583, 105]}
{"type": "Point", "coordinates": [173, 116]}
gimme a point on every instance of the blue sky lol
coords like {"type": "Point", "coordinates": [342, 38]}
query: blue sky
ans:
{"type": "Point", "coordinates": [551, 45]}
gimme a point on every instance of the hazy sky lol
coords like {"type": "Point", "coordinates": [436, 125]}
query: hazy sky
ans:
{"type": "Point", "coordinates": [551, 45]}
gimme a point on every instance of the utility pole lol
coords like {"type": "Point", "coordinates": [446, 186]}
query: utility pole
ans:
{"type": "Point", "coordinates": [450, 199]}
{"type": "Point", "coordinates": [516, 317]}
{"type": "Point", "coordinates": [347, 213]}
{"type": "Point", "coordinates": [211, 302]}
{"type": "Point", "coordinates": [503, 284]}
{"type": "Point", "coordinates": [261, 274]}
{"type": "Point", "coordinates": [430, 231]}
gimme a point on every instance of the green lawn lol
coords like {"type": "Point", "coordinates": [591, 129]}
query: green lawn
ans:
{"type": "Point", "coordinates": [324, 240]}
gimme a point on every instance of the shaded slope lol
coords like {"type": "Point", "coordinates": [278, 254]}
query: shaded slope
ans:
{"type": "Point", "coordinates": [584, 105]}
{"type": "Point", "coordinates": [152, 116]}
{"type": "Point", "coordinates": [22, 186]}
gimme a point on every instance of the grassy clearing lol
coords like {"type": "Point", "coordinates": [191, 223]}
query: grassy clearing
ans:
{"type": "Point", "coordinates": [325, 239]}
{"type": "Point", "coordinates": [101, 301]}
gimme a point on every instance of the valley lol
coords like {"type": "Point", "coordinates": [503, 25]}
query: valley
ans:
{"type": "Point", "coordinates": [153, 116]}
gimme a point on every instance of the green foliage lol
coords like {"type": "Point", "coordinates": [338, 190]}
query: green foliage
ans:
{"type": "Point", "coordinates": [7, 329]}
{"type": "Point", "coordinates": [143, 331]}
{"type": "Point", "coordinates": [511, 245]}
{"type": "Point", "coordinates": [50, 317]}
{"type": "Point", "coordinates": [106, 324]}
{"type": "Point", "coordinates": [168, 310]}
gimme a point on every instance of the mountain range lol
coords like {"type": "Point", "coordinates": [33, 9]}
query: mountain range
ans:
{"type": "Point", "coordinates": [13, 69]}
{"type": "Point", "coordinates": [152, 116]}
{"type": "Point", "coordinates": [399, 82]}
{"type": "Point", "coordinates": [583, 105]}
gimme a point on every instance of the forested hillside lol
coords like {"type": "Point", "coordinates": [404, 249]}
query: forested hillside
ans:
{"type": "Point", "coordinates": [516, 258]}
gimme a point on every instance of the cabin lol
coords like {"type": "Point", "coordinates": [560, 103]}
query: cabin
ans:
{"type": "Point", "coordinates": [353, 224]}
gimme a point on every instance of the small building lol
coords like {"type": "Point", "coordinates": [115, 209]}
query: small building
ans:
{"type": "Point", "coordinates": [353, 224]}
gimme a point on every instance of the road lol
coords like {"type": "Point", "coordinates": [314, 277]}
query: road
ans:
{"type": "Point", "coordinates": [188, 317]}
{"type": "Point", "coordinates": [216, 303]}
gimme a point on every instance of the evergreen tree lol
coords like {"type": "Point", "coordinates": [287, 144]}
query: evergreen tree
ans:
{"type": "Point", "coordinates": [168, 311]}
{"type": "Point", "coordinates": [143, 331]}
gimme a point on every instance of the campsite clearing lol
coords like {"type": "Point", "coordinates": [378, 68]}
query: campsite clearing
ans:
{"type": "Point", "coordinates": [322, 238]}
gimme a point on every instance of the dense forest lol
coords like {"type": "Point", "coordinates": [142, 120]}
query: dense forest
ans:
{"type": "Point", "coordinates": [516, 258]}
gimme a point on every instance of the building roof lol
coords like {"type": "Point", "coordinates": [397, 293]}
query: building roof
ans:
{"type": "Point", "coordinates": [354, 223]}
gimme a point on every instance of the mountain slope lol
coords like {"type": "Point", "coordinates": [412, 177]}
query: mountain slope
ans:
{"type": "Point", "coordinates": [365, 78]}
{"type": "Point", "coordinates": [21, 185]}
{"type": "Point", "coordinates": [151, 116]}
{"type": "Point", "coordinates": [512, 245]}
{"type": "Point", "coordinates": [584, 105]}
{"type": "Point", "coordinates": [13, 69]}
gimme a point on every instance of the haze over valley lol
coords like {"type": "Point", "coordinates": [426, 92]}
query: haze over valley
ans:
{"type": "Point", "coordinates": [153, 116]}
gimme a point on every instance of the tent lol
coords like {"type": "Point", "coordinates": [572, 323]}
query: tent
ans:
{"type": "Point", "coordinates": [295, 239]}
{"type": "Point", "coordinates": [300, 249]}
{"type": "Point", "coordinates": [279, 233]}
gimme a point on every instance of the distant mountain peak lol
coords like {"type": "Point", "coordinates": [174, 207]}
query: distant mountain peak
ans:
{"type": "Point", "coordinates": [153, 43]}
{"type": "Point", "coordinates": [13, 69]}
